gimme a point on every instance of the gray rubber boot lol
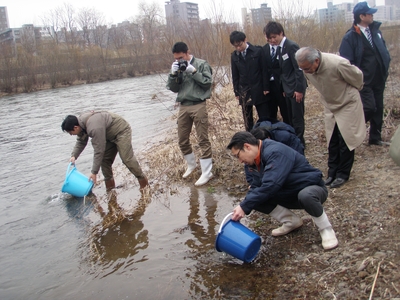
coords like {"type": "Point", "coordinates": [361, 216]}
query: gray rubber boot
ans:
{"type": "Point", "coordinates": [290, 220]}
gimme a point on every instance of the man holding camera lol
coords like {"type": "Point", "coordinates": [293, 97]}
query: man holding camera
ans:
{"type": "Point", "coordinates": [191, 78]}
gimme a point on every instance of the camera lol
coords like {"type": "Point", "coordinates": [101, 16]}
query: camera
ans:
{"type": "Point", "coordinates": [182, 65]}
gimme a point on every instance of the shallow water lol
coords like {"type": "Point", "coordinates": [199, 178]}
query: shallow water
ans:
{"type": "Point", "coordinates": [55, 246]}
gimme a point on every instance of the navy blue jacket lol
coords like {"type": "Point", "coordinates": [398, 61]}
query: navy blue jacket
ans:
{"type": "Point", "coordinates": [283, 173]}
{"type": "Point", "coordinates": [352, 46]}
{"type": "Point", "coordinates": [283, 133]}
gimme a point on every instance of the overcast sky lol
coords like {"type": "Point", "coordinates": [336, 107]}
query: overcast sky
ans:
{"type": "Point", "coordinates": [30, 12]}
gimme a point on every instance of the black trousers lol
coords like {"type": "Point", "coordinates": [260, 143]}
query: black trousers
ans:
{"type": "Point", "coordinates": [275, 100]}
{"type": "Point", "coordinates": [341, 159]}
{"type": "Point", "coordinates": [263, 111]}
{"type": "Point", "coordinates": [295, 113]}
{"type": "Point", "coordinates": [247, 111]}
{"type": "Point", "coordinates": [372, 99]}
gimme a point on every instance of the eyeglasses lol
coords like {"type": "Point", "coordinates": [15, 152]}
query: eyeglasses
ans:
{"type": "Point", "coordinates": [237, 154]}
{"type": "Point", "coordinates": [238, 45]}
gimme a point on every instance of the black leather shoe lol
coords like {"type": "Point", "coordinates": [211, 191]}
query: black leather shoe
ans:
{"type": "Point", "coordinates": [329, 180]}
{"type": "Point", "coordinates": [338, 182]}
{"type": "Point", "coordinates": [375, 142]}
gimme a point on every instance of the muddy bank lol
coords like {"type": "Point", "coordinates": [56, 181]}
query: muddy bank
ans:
{"type": "Point", "coordinates": [364, 212]}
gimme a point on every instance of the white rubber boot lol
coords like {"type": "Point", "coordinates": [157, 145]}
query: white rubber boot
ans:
{"type": "Point", "coordinates": [191, 162]}
{"type": "Point", "coordinates": [206, 175]}
{"type": "Point", "coordinates": [329, 240]}
{"type": "Point", "coordinates": [290, 220]}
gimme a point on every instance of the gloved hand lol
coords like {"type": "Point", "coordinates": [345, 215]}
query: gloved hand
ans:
{"type": "Point", "coordinates": [190, 69]}
{"type": "Point", "coordinates": [174, 67]}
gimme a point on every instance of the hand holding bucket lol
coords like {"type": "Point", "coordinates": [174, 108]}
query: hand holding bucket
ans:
{"type": "Point", "coordinates": [76, 183]}
{"type": "Point", "coordinates": [237, 240]}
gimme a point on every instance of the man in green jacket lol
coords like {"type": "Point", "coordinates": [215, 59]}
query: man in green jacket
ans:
{"type": "Point", "coordinates": [191, 78]}
{"type": "Point", "coordinates": [110, 134]}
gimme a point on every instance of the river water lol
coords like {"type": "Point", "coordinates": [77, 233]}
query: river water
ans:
{"type": "Point", "coordinates": [55, 246]}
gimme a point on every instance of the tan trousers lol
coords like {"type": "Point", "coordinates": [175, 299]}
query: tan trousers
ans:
{"type": "Point", "coordinates": [122, 144]}
{"type": "Point", "coordinates": [198, 115]}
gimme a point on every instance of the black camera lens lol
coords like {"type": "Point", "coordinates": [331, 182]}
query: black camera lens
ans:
{"type": "Point", "coordinates": [182, 65]}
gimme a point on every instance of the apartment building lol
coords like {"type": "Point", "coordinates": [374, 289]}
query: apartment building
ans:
{"type": "Point", "coordinates": [178, 12]}
{"type": "Point", "coordinates": [4, 24]}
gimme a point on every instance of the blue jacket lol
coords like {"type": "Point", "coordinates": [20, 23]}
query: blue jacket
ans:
{"type": "Point", "coordinates": [283, 173]}
{"type": "Point", "coordinates": [283, 133]}
{"type": "Point", "coordinates": [352, 46]}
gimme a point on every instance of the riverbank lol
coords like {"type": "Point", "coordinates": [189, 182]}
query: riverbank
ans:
{"type": "Point", "coordinates": [364, 212]}
{"type": "Point", "coordinates": [44, 85]}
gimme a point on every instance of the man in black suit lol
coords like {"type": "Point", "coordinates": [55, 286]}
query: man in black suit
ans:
{"type": "Point", "coordinates": [250, 81]}
{"type": "Point", "coordinates": [275, 95]}
{"type": "Point", "coordinates": [292, 81]}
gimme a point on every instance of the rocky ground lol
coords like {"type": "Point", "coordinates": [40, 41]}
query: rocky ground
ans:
{"type": "Point", "coordinates": [365, 213]}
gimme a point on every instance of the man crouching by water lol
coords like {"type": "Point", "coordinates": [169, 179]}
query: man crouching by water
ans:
{"type": "Point", "coordinates": [282, 180]}
{"type": "Point", "coordinates": [110, 134]}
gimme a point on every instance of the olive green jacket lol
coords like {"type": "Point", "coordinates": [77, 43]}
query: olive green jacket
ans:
{"type": "Point", "coordinates": [194, 87]}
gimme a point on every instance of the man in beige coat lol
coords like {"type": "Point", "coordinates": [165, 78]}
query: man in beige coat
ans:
{"type": "Point", "coordinates": [339, 83]}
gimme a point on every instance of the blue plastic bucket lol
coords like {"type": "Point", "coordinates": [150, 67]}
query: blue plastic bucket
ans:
{"type": "Point", "coordinates": [237, 240]}
{"type": "Point", "coordinates": [76, 183]}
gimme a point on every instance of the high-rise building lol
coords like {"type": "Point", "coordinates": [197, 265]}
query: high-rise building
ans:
{"type": "Point", "coordinates": [347, 8]}
{"type": "Point", "coordinates": [384, 13]}
{"type": "Point", "coordinates": [395, 5]}
{"type": "Point", "coordinates": [332, 14]}
{"type": "Point", "coordinates": [392, 3]}
{"type": "Point", "coordinates": [261, 16]}
{"type": "Point", "coordinates": [3, 18]}
{"type": "Point", "coordinates": [185, 12]}
{"type": "Point", "coordinates": [257, 16]}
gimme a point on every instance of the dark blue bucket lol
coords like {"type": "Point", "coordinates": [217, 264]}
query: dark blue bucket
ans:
{"type": "Point", "coordinates": [76, 183]}
{"type": "Point", "coordinates": [237, 240]}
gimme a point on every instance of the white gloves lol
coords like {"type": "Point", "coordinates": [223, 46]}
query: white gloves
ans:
{"type": "Point", "coordinates": [174, 67]}
{"type": "Point", "coordinates": [190, 69]}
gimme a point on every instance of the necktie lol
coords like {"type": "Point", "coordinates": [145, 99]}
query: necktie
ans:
{"type": "Point", "coordinates": [244, 54]}
{"type": "Point", "coordinates": [369, 36]}
{"type": "Point", "coordinates": [273, 53]}
{"type": "Point", "coordinates": [278, 53]}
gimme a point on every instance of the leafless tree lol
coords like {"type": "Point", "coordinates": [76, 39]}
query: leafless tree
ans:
{"type": "Point", "coordinates": [90, 20]}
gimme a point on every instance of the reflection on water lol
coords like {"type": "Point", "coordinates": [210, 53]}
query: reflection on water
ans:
{"type": "Point", "coordinates": [115, 245]}
{"type": "Point", "coordinates": [203, 234]}
{"type": "Point", "coordinates": [117, 240]}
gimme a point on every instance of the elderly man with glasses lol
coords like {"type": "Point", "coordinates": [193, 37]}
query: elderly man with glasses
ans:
{"type": "Point", "coordinates": [282, 180]}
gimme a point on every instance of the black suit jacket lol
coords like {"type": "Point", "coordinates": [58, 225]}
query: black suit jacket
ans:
{"type": "Point", "coordinates": [292, 78]}
{"type": "Point", "coordinates": [273, 68]}
{"type": "Point", "coordinates": [249, 75]}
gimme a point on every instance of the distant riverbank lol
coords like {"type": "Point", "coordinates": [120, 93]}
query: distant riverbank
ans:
{"type": "Point", "coordinates": [47, 86]}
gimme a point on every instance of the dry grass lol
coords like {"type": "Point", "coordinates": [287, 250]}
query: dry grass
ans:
{"type": "Point", "coordinates": [167, 164]}
{"type": "Point", "coordinates": [166, 161]}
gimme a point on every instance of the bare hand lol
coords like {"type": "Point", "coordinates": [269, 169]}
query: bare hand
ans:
{"type": "Point", "coordinates": [238, 213]}
{"type": "Point", "coordinates": [298, 96]}
{"type": "Point", "coordinates": [266, 92]}
{"type": "Point", "coordinates": [93, 177]}
{"type": "Point", "coordinates": [72, 160]}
